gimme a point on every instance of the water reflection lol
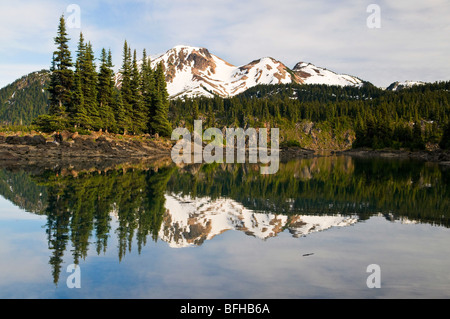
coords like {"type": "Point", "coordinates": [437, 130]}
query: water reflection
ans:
{"type": "Point", "coordinates": [191, 221]}
{"type": "Point", "coordinates": [186, 206]}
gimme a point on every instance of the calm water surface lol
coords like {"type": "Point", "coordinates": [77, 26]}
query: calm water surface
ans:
{"type": "Point", "coordinates": [225, 231]}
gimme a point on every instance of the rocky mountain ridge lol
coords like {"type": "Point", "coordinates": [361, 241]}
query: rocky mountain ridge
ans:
{"type": "Point", "coordinates": [194, 71]}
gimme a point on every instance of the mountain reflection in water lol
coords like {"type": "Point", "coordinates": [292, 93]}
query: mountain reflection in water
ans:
{"type": "Point", "coordinates": [186, 206]}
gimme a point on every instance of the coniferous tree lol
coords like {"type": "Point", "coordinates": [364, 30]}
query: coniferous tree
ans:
{"type": "Point", "coordinates": [211, 116]}
{"type": "Point", "coordinates": [78, 114]}
{"type": "Point", "coordinates": [87, 77]}
{"type": "Point", "coordinates": [77, 111]}
{"type": "Point", "coordinates": [445, 141]}
{"type": "Point", "coordinates": [105, 92]}
{"type": "Point", "coordinates": [148, 88]}
{"type": "Point", "coordinates": [61, 78]}
{"type": "Point", "coordinates": [266, 113]}
{"type": "Point", "coordinates": [160, 123]}
{"type": "Point", "coordinates": [119, 112]}
{"type": "Point", "coordinates": [138, 115]}
{"type": "Point", "coordinates": [195, 110]}
{"type": "Point", "coordinates": [418, 142]}
{"type": "Point", "coordinates": [89, 80]}
{"type": "Point", "coordinates": [125, 90]}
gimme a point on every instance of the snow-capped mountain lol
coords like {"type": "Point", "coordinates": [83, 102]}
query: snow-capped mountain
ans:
{"type": "Point", "coordinates": [396, 86]}
{"type": "Point", "coordinates": [311, 74]}
{"type": "Point", "coordinates": [191, 221]}
{"type": "Point", "coordinates": [193, 71]}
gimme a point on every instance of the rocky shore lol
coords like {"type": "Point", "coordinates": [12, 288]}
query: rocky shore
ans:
{"type": "Point", "coordinates": [41, 149]}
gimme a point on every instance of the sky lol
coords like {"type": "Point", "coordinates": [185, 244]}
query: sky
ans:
{"type": "Point", "coordinates": [397, 41]}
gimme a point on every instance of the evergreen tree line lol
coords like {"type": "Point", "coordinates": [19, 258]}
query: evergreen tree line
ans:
{"type": "Point", "coordinates": [408, 118]}
{"type": "Point", "coordinates": [82, 97]}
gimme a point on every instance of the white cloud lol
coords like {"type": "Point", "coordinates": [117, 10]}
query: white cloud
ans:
{"type": "Point", "coordinates": [412, 42]}
{"type": "Point", "coordinates": [11, 72]}
{"type": "Point", "coordinates": [25, 24]}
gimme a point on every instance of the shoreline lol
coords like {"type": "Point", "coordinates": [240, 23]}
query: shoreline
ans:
{"type": "Point", "coordinates": [38, 149]}
{"type": "Point", "coordinates": [436, 156]}
{"type": "Point", "coordinates": [97, 149]}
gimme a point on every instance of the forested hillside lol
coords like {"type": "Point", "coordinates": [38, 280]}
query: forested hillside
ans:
{"type": "Point", "coordinates": [378, 118]}
{"type": "Point", "coordinates": [24, 99]}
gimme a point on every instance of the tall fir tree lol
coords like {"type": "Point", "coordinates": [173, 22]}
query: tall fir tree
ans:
{"type": "Point", "coordinates": [78, 114]}
{"type": "Point", "coordinates": [117, 103]}
{"type": "Point", "coordinates": [77, 111]}
{"type": "Point", "coordinates": [90, 88]}
{"type": "Point", "coordinates": [119, 112]}
{"type": "Point", "coordinates": [160, 123]}
{"type": "Point", "coordinates": [61, 78]}
{"type": "Point", "coordinates": [125, 90]}
{"type": "Point", "coordinates": [148, 88]}
{"type": "Point", "coordinates": [105, 92]}
{"type": "Point", "coordinates": [87, 76]}
{"type": "Point", "coordinates": [138, 115]}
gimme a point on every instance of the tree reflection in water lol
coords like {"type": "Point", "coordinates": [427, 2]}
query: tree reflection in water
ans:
{"type": "Point", "coordinates": [81, 205]}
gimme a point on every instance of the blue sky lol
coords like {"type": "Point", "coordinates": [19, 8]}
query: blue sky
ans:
{"type": "Point", "coordinates": [411, 44]}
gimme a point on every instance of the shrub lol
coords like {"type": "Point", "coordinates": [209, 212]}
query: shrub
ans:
{"type": "Point", "coordinates": [49, 123]}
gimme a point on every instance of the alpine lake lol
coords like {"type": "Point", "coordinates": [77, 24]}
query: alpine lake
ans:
{"type": "Point", "coordinates": [321, 227]}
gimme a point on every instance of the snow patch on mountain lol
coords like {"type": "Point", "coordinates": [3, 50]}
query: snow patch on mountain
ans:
{"type": "Point", "coordinates": [194, 71]}
{"type": "Point", "coordinates": [312, 74]}
{"type": "Point", "coordinates": [396, 86]}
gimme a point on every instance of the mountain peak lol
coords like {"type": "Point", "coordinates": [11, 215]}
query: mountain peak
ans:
{"type": "Point", "coordinates": [403, 85]}
{"type": "Point", "coordinates": [193, 71]}
{"type": "Point", "coordinates": [301, 65]}
{"type": "Point", "coordinates": [312, 74]}
{"type": "Point", "coordinates": [186, 47]}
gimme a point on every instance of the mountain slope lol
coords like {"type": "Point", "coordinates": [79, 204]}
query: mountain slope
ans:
{"type": "Point", "coordinates": [397, 86]}
{"type": "Point", "coordinates": [24, 99]}
{"type": "Point", "coordinates": [311, 74]}
{"type": "Point", "coordinates": [193, 71]}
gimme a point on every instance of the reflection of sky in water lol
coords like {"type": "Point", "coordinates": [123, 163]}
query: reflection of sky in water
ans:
{"type": "Point", "coordinates": [23, 252]}
{"type": "Point", "coordinates": [414, 260]}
